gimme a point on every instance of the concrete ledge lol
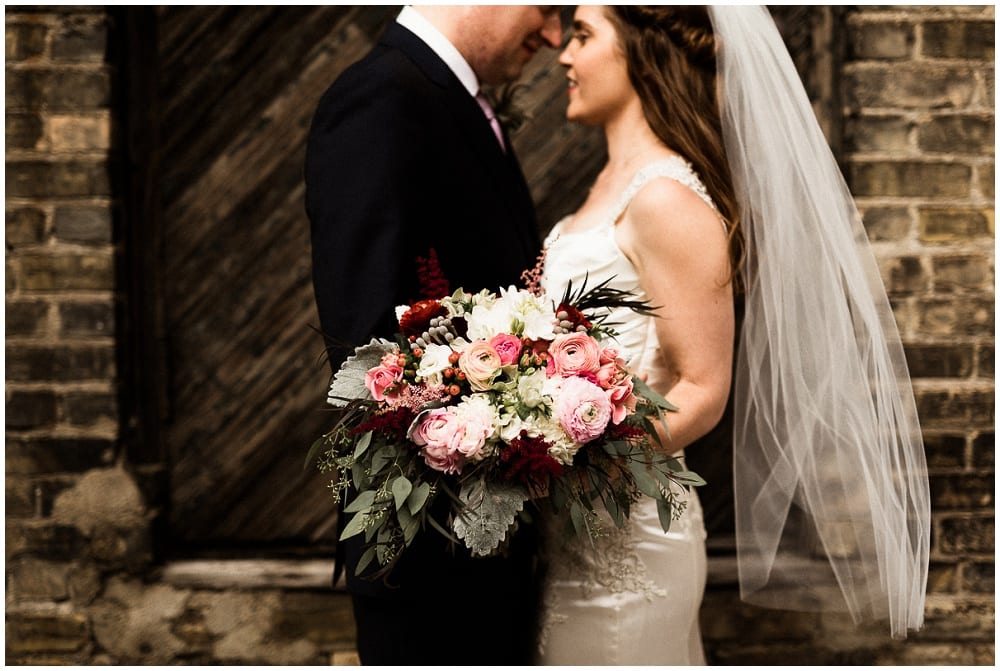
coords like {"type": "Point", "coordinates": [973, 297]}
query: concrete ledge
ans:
{"type": "Point", "coordinates": [250, 573]}
{"type": "Point", "coordinates": [317, 573]}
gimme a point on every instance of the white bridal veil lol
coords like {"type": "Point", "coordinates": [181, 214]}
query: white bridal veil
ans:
{"type": "Point", "coordinates": [832, 504]}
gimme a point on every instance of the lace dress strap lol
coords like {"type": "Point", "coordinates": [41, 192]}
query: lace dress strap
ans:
{"type": "Point", "coordinates": [675, 168]}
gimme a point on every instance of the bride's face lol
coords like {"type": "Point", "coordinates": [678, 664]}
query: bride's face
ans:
{"type": "Point", "coordinates": [599, 87]}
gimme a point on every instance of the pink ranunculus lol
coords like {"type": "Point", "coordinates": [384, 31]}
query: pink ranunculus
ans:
{"type": "Point", "coordinates": [382, 377]}
{"type": "Point", "coordinates": [438, 433]}
{"type": "Point", "coordinates": [623, 400]}
{"type": "Point", "coordinates": [583, 409]}
{"type": "Point", "coordinates": [441, 459]}
{"type": "Point", "coordinates": [573, 353]}
{"type": "Point", "coordinates": [480, 363]}
{"type": "Point", "coordinates": [507, 346]}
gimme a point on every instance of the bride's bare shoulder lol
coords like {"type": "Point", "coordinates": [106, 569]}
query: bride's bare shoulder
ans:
{"type": "Point", "coordinates": [666, 211]}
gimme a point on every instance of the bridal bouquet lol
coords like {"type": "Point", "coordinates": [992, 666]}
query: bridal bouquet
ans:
{"type": "Point", "coordinates": [491, 400]}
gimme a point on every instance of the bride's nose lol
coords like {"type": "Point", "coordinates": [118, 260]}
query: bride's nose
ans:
{"type": "Point", "coordinates": [565, 59]}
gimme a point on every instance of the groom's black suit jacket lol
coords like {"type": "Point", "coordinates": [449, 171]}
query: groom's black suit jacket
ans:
{"type": "Point", "coordinates": [401, 160]}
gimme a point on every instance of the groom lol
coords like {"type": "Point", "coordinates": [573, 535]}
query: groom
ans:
{"type": "Point", "coordinates": [405, 158]}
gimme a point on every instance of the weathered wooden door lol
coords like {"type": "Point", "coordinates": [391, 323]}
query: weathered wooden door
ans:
{"type": "Point", "coordinates": [246, 377]}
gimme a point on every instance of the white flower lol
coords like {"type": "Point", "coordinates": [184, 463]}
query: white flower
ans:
{"type": "Point", "coordinates": [562, 448]}
{"type": "Point", "coordinates": [479, 416]}
{"type": "Point", "coordinates": [516, 311]}
{"type": "Point", "coordinates": [433, 362]}
{"type": "Point", "coordinates": [531, 389]}
{"type": "Point", "coordinates": [400, 311]}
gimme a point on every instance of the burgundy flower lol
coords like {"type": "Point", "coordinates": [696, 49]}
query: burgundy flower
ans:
{"type": "Point", "coordinates": [526, 460]}
{"type": "Point", "coordinates": [418, 318]}
{"type": "Point", "coordinates": [392, 423]}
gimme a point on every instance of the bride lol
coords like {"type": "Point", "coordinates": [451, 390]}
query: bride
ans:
{"type": "Point", "coordinates": [719, 190]}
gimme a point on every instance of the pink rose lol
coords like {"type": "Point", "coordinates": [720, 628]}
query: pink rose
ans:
{"type": "Point", "coordinates": [611, 355]}
{"type": "Point", "coordinates": [381, 378]}
{"type": "Point", "coordinates": [583, 409]}
{"type": "Point", "coordinates": [507, 346]}
{"type": "Point", "coordinates": [572, 354]}
{"type": "Point", "coordinates": [607, 375]}
{"type": "Point", "coordinates": [437, 432]}
{"type": "Point", "coordinates": [622, 400]}
{"type": "Point", "coordinates": [480, 363]}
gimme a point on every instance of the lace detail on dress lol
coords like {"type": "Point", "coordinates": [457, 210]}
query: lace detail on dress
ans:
{"type": "Point", "coordinates": [611, 564]}
{"type": "Point", "coordinates": [675, 168]}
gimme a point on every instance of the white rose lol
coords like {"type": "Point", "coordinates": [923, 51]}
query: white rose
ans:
{"type": "Point", "coordinates": [531, 389]}
{"type": "Point", "coordinates": [433, 362]}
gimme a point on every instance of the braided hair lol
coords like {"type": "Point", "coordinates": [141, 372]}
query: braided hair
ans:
{"type": "Point", "coordinates": [670, 56]}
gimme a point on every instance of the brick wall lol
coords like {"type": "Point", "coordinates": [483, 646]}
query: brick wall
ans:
{"type": "Point", "coordinates": [82, 585]}
{"type": "Point", "coordinates": [918, 87]}
{"type": "Point", "coordinates": [61, 395]}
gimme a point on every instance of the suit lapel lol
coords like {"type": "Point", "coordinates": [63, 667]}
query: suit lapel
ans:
{"type": "Point", "coordinates": [473, 124]}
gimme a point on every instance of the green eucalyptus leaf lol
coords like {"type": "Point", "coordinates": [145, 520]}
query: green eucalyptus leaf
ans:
{"type": "Point", "coordinates": [380, 458]}
{"type": "Point", "coordinates": [358, 476]}
{"type": "Point", "coordinates": [644, 481]}
{"type": "Point", "coordinates": [689, 478]}
{"type": "Point", "coordinates": [363, 501]}
{"type": "Point", "coordinates": [366, 559]}
{"type": "Point", "coordinates": [418, 496]}
{"type": "Point", "coordinates": [363, 442]}
{"type": "Point", "coordinates": [654, 397]}
{"type": "Point", "coordinates": [354, 527]}
{"type": "Point", "coordinates": [578, 517]}
{"type": "Point", "coordinates": [615, 511]}
{"type": "Point", "coordinates": [665, 512]}
{"type": "Point", "coordinates": [410, 529]}
{"type": "Point", "coordinates": [401, 488]}
{"type": "Point", "coordinates": [314, 450]}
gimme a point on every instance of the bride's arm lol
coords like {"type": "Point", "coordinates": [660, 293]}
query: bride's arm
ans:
{"type": "Point", "coordinates": [679, 248]}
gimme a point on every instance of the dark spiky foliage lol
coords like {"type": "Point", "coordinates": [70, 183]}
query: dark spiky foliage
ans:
{"type": "Point", "coordinates": [605, 298]}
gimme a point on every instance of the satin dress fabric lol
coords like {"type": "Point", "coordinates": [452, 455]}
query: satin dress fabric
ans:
{"type": "Point", "coordinates": [632, 596]}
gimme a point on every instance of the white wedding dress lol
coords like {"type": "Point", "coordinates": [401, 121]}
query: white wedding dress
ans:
{"type": "Point", "coordinates": [633, 596]}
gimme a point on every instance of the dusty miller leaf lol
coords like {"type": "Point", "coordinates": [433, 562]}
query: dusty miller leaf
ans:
{"type": "Point", "coordinates": [490, 510]}
{"type": "Point", "coordinates": [349, 382]}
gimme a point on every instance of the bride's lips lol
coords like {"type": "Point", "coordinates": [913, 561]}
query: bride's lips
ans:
{"type": "Point", "coordinates": [571, 84]}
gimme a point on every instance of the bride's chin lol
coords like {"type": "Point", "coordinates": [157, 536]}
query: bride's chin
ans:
{"type": "Point", "coordinates": [578, 117]}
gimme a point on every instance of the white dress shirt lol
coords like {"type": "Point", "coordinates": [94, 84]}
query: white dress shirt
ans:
{"type": "Point", "coordinates": [413, 21]}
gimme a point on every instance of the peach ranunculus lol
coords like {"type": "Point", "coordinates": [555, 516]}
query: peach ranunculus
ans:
{"type": "Point", "coordinates": [507, 346]}
{"type": "Point", "coordinates": [572, 354]}
{"type": "Point", "coordinates": [382, 378]}
{"type": "Point", "coordinates": [583, 409]}
{"type": "Point", "coordinates": [480, 363]}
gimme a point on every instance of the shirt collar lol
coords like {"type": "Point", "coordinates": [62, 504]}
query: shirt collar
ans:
{"type": "Point", "coordinates": [413, 21]}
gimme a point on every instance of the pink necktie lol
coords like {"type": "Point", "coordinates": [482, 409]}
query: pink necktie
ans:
{"type": "Point", "coordinates": [491, 115]}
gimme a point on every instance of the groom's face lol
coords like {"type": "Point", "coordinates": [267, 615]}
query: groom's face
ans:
{"type": "Point", "coordinates": [509, 36]}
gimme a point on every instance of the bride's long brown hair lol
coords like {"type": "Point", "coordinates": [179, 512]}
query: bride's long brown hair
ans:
{"type": "Point", "coordinates": [670, 55]}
